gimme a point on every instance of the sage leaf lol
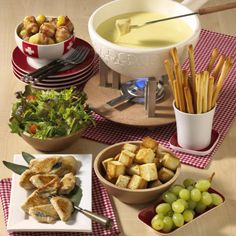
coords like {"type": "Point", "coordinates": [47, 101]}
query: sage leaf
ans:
{"type": "Point", "coordinates": [27, 157]}
{"type": "Point", "coordinates": [76, 195]}
{"type": "Point", "coordinates": [18, 169]}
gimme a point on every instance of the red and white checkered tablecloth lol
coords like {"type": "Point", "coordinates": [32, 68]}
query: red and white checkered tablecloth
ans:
{"type": "Point", "coordinates": [109, 132]}
{"type": "Point", "coordinates": [101, 204]}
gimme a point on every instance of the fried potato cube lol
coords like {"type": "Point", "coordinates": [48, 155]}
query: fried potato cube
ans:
{"type": "Point", "coordinates": [165, 174]}
{"type": "Point", "coordinates": [137, 182]}
{"type": "Point", "coordinates": [25, 179]}
{"type": "Point", "coordinates": [133, 169]}
{"type": "Point", "coordinates": [169, 161]}
{"type": "Point", "coordinates": [148, 142]}
{"type": "Point", "coordinates": [114, 169]}
{"type": "Point", "coordinates": [130, 147]}
{"type": "Point", "coordinates": [145, 155]}
{"type": "Point", "coordinates": [123, 181]}
{"type": "Point", "coordinates": [126, 157]}
{"type": "Point", "coordinates": [148, 171]}
{"type": "Point", "coordinates": [104, 163]}
{"type": "Point", "coordinates": [34, 199]}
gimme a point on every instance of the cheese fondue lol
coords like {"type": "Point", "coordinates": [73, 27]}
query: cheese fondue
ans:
{"type": "Point", "coordinates": [161, 34]}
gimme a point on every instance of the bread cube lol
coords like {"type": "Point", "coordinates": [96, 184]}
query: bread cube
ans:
{"type": "Point", "coordinates": [133, 170]}
{"type": "Point", "coordinates": [158, 163]}
{"type": "Point", "coordinates": [116, 157]}
{"type": "Point", "coordinates": [130, 147]}
{"type": "Point", "coordinates": [148, 142]}
{"type": "Point", "coordinates": [145, 155]}
{"type": "Point", "coordinates": [123, 181]}
{"type": "Point", "coordinates": [165, 174]}
{"type": "Point", "coordinates": [148, 171]}
{"type": "Point", "coordinates": [137, 182]}
{"type": "Point", "coordinates": [126, 157]}
{"type": "Point", "coordinates": [169, 161]}
{"type": "Point", "coordinates": [114, 169]}
{"type": "Point", "coordinates": [104, 163]}
{"type": "Point", "coordinates": [155, 183]}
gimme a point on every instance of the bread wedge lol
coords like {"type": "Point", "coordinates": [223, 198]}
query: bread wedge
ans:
{"type": "Point", "coordinates": [63, 207]}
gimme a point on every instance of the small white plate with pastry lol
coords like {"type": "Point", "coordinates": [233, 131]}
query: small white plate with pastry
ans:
{"type": "Point", "coordinates": [39, 196]}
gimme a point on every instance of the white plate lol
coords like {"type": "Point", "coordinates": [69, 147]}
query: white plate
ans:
{"type": "Point", "coordinates": [19, 221]}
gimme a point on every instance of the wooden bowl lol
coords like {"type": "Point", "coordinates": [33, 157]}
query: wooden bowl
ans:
{"type": "Point", "coordinates": [126, 195]}
{"type": "Point", "coordinates": [52, 144]}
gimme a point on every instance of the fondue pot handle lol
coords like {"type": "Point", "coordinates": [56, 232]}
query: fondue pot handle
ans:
{"type": "Point", "coordinates": [221, 7]}
{"type": "Point", "coordinates": [194, 5]}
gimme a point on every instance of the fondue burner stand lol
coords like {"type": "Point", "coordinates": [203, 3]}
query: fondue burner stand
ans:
{"type": "Point", "coordinates": [142, 102]}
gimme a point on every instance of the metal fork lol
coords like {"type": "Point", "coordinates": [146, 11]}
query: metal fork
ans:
{"type": "Point", "coordinates": [76, 57]}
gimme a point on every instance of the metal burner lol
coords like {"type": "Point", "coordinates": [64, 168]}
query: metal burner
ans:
{"type": "Point", "coordinates": [134, 91]}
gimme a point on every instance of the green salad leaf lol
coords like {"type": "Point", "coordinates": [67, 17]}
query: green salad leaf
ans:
{"type": "Point", "coordinates": [49, 113]}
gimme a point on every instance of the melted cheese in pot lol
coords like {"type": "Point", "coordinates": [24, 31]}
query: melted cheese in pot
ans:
{"type": "Point", "coordinates": [157, 35]}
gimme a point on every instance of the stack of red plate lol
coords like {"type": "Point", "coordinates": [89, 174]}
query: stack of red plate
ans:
{"type": "Point", "coordinates": [77, 76]}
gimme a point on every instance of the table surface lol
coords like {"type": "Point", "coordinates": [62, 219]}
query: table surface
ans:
{"type": "Point", "coordinates": [223, 163]}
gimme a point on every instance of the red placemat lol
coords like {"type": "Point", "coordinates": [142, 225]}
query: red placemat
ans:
{"type": "Point", "coordinates": [109, 132]}
{"type": "Point", "coordinates": [101, 204]}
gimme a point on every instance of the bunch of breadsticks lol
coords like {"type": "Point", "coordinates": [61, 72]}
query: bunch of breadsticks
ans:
{"type": "Point", "coordinates": [199, 92]}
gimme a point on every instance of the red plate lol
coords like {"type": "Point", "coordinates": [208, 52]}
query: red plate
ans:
{"type": "Point", "coordinates": [20, 61]}
{"type": "Point", "coordinates": [148, 213]}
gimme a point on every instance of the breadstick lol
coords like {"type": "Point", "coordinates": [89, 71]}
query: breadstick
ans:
{"type": "Point", "coordinates": [174, 55]}
{"type": "Point", "coordinates": [199, 94]}
{"type": "Point", "coordinates": [169, 70]}
{"type": "Point", "coordinates": [210, 93]}
{"type": "Point", "coordinates": [176, 94]}
{"type": "Point", "coordinates": [185, 78]}
{"type": "Point", "coordinates": [218, 66]}
{"type": "Point", "coordinates": [189, 101]}
{"type": "Point", "coordinates": [192, 64]}
{"type": "Point", "coordinates": [224, 72]}
{"type": "Point", "coordinates": [213, 57]}
{"type": "Point", "coordinates": [205, 90]}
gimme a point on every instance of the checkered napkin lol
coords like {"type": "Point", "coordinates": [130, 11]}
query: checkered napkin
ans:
{"type": "Point", "coordinates": [109, 132]}
{"type": "Point", "coordinates": [101, 204]}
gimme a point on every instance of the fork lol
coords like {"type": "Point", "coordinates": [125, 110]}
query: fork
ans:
{"type": "Point", "coordinates": [76, 57]}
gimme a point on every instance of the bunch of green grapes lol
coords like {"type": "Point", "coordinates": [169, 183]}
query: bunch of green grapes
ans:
{"type": "Point", "coordinates": [182, 203]}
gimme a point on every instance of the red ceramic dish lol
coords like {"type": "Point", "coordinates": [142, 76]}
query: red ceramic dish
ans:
{"type": "Point", "coordinates": [146, 215]}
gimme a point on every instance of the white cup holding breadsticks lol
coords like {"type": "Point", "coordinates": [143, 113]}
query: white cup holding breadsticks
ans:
{"type": "Point", "coordinates": [195, 96]}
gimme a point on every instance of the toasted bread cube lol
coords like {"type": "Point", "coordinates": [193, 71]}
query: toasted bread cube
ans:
{"type": "Point", "coordinates": [116, 157]}
{"type": "Point", "coordinates": [130, 147]}
{"type": "Point", "coordinates": [165, 174]}
{"type": "Point", "coordinates": [123, 181]}
{"type": "Point", "coordinates": [114, 169]}
{"type": "Point", "coordinates": [155, 183]}
{"type": "Point", "coordinates": [158, 163]}
{"type": "Point", "coordinates": [137, 182]}
{"type": "Point", "coordinates": [169, 161]}
{"type": "Point", "coordinates": [104, 163]}
{"type": "Point", "coordinates": [148, 142]}
{"type": "Point", "coordinates": [126, 157]}
{"type": "Point", "coordinates": [148, 171]}
{"type": "Point", "coordinates": [133, 169]}
{"type": "Point", "coordinates": [145, 155]}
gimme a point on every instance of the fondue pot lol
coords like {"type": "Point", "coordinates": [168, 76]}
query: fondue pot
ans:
{"type": "Point", "coordinates": [142, 62]}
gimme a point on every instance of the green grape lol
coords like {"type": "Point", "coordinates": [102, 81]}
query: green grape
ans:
{"type": "Point", "coordinates": [188, 215]}
{"type": "Point", "coordinates": [159, 216]}
{"type": "Point", "coordinates": [170, 213]}
{"type": "Point", "coordinates": [163, 208]}
{"type": "Point", "coordinates": [200, 208]}
{"type": "Point", "coordinates": [190, 187]}
{"type": "Point", "coordinates": [203, 185]}
{"type": "Point", "coordinates": [191, 204]}
{"type": "Point", "coordinates": [183, 202]}
{"type": "Point", "coordinates": [195, 195]}
{"type": "Point", "coordinates": [189, 182]}
{"type": "Point", "coordinates": [176, 189]}
{"type": "Point", "coordinates": [169, 197]}
{"type": "Point", "coordinates": [216, 199]}
{"type": "Point", "coordinates": [157, 223]}
{"type": "Point", "coordinates": [178, 219]}
{"type": "Point", "coordinates": [206, 198]}
{"type": "Point", "coordinates": [178, 207]}
{"type": "Point", "coordinates": [184, 194]}
{"type": "Point", "coordinates": [168, 224]}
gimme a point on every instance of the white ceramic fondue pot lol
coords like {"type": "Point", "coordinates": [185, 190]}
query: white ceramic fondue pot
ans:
{"type": "Point", "coordinates": [142, 62]}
